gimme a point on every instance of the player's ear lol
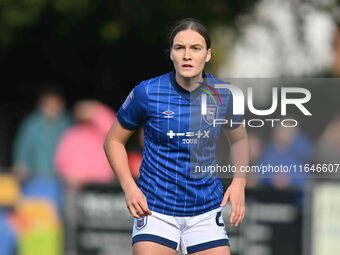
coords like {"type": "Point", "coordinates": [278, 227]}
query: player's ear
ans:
{"type": "Point", "coordinates": [171, 57]}
{"type": "Point", "coordinates": [208, 57]}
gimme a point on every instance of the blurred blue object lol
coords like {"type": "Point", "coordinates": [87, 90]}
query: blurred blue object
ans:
{"type": "Point", "coordinates": [287, 147]}
{"type": "Point", "coordinates": [50, 189]}
{"type": "Point", "coordinates": [8, 240]}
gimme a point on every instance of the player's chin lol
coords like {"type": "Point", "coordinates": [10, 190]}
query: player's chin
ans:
{"type": "Point", "coordinates": [189, 74]}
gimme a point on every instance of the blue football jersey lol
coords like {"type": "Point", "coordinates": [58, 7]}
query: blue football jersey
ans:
{"type": "Point", "coordinates": [177, 138]}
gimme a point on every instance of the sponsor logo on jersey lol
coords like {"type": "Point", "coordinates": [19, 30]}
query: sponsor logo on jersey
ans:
{"type": "Point", "coordinates": [168, 114]}
{"type": "Point", "coordinates": [196, 134]}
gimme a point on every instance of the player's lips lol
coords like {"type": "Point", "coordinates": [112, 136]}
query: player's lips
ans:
{"type": "Point", "coordinates": [187, 66]}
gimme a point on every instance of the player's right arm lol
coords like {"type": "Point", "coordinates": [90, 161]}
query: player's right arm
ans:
{"type": "Point", "coordinates": [131, 115]}
{"type": "Point", "coordinates": [116, 154]}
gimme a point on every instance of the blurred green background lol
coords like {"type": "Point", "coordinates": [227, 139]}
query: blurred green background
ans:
{"type": "Point", "coordinates": [100, 50]}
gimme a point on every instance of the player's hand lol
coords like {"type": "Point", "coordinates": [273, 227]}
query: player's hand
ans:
{"type": "Point", "coordinates": [136, 203]}
{"type": "Point", "coordinates": [236, 194]}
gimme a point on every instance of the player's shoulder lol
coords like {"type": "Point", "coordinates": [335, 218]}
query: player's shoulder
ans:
{"type": "Point", "coordinates": [213, 83]}
{"type": "Point", "coordinates": [144, 86]}
{"type": "Point", "coordinates": [215, 80]}
{"type": "Point", "coordinates": [157, 80]}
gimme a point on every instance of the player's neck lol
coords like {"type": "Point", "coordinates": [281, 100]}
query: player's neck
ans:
{"type": "Point", "coordinates": [189, 84]}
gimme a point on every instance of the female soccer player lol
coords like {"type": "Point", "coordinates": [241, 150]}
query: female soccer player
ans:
{"type": "Point", "coordinates": [174, 207]}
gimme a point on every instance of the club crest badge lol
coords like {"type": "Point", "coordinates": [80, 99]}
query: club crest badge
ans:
{"type": "Point", "coordinates": [211, 114]}
{"type": "Point", "coordinates": [141, 222]}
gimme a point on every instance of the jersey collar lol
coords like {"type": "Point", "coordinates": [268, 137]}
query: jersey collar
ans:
{"type": "Point", "coordinates": [183, 92]}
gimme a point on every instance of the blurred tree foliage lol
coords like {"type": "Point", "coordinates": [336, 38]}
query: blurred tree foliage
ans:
{"type": "Point", "coordinates": [17, 15]}
{"type": "Point", "coordinates": [109, 20]}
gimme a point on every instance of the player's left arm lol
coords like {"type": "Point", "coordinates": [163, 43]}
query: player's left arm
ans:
{"type": "Point", "coordinates": [239, 147]}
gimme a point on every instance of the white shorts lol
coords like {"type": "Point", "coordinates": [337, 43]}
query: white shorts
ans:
{"type": "Point", "coordinates": [185, 234]}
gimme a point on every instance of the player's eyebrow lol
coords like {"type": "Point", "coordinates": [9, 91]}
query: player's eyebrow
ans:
{"type": "Point", "coordinates": [196, 45]}
{"type": "Point", "coordinates": [178, 44]}
{"type": "Point", "coordinates": [192, 45]}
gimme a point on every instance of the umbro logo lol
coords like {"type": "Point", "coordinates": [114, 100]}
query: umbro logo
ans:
{"type": "Point", "coordinates": [168, 114]}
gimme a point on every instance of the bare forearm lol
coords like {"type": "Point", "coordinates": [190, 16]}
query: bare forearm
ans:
{"type": "Point", "coordinates": [117, 157]}
{"type": "Point", "coordinates": [240, 157]}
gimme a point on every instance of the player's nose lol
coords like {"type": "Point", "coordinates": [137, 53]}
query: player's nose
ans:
{"type": "Point", "coordinates": [186, 54]}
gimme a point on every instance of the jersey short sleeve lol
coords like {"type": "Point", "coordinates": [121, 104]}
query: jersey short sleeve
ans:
{"type": "Point", "coordinates": [133, 112]}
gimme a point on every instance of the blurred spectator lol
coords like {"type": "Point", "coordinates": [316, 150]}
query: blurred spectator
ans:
{"type": "Point", "coordinates": [135, 154]}
{"type": "Point", "coordinates": [38, 136]}
{"type": "Point", "coordinates": [80, 158]}
{"type": "Point", "coordinates": [289, 146]}
{"type": "Point", "coordinates": [256, 150]}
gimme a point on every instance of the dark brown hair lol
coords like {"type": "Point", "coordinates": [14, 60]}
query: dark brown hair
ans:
{"type": "Point", "coordinates": [189, 23]}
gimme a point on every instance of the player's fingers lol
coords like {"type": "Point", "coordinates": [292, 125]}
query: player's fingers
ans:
{"type": "Point", "coordinates": [133, 212]}
{"type": "Point", "coordinates": [240, 215]}
{"type": "Point", "coordinates": [225, 199]}
{"type": "Point", "coordinates": [232, 216]}
{"type": "Point", "coordinates": [138, 209]}
{"type": "Point", "coordinates": [243, 213]}
{"type": "Point", "coordinates": [144, 206]}
{"type": "Point", "coordinates": [234, 213]}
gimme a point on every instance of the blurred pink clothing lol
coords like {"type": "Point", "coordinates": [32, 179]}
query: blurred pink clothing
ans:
{"type": "Point", "coordinates": [135, 160]}
{"type": "Point", "coordinates": [80, 156]}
